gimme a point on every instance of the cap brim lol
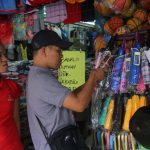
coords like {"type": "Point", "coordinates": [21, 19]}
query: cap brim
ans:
{"type": "Point", "coordinates": [64, 44]}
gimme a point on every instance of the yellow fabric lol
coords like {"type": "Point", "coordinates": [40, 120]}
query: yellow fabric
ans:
{"type": "Point", "coordinates": [135, 103]}
{"type": "Point", "coordinates": [143, 101]}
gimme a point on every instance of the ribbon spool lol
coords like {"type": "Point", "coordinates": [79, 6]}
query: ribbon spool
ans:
{"type": "Point", "coordinates": [115, 22]}
{"type": "Point", "coordinates": [102, 8]}
{"type": "Point", "coordinates": [141, 15]}
{"type": "Point", "coordinates": [122, 30]}
{"type": "Point", "coordinates": [133, 23]}
{"type": "Point", "coordinates": [107, 28]}
{"type": "Point", "coordinates": [129, 12]}
{"type": "Point", "coordinates": [127, 5]}
{"type": "Point", "coordinates": [119, 5]}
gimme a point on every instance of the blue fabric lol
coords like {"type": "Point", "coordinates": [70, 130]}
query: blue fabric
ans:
{"type": "Point", "coordinates": [135, 65]}
{"type": "Point", "coordinates": [9, 7]}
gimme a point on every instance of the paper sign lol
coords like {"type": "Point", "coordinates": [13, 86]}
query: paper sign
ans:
{"type": "Point", "coordinates": [72, 71]}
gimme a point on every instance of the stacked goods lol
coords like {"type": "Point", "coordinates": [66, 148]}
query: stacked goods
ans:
{"type": "Point", "coordinates": [102, 8]}
{"type": "Point", "coordinates": [141, 15]}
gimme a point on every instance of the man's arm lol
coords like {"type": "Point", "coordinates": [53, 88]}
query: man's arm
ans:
{"type": "Point", "coordinates": [79, 99]}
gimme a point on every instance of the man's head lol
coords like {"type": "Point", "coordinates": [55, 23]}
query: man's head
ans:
{"type": "Point", "coordinates": [47, 49]}
{"type": "Point", "coordinates": [3, 59]}
{"type": "Point", "coordinates": [140, 126]}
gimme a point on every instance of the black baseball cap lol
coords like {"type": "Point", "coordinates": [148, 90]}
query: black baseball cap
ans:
{"type": "Point", "coordinates": [46, 38]}
{"type": "Point", "coordinates": [140, 126]}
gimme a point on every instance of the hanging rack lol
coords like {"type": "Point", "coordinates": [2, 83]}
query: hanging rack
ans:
{"type": "Point", "coordinates": [131, 35]}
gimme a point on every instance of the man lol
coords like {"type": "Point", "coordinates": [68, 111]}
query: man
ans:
{"type": "Point", "coordinates": [47, 99]}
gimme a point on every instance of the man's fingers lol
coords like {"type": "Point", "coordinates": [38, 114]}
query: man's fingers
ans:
{"type": "Point", "coordinates": [106, 68]}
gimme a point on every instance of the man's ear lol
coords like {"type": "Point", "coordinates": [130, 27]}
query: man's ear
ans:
{"type": "Point", "coordinates": [43, 51]}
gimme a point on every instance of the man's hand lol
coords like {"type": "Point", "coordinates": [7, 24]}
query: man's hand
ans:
{"type": "Point", "coordinates": [99, 73]}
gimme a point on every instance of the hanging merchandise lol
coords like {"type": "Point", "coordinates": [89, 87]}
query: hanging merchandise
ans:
{"type": "Point", "coordinates": [117, 70]}
{"type": "Point", "coordinates": [99, 43]}
{"type": "Point", "coordinates": [141, 15]}
{"type": "Point", "coordinates": [122, 30]}
{"type": "Point", "coordinates": [74, 1]}
{"type": "Point", "coordinates": [102, 8]}
{"type": "Point", "coordinates": [56, 12]}
{"type": "Point", "coordinates": [118, 113]}
{"type": "Point", "coordinates": [73, 13]}
{"type": "Point", "coordinates": [115, 22]}
{"type": "Point", "coordinates": [10, 52]}
{"type": "Point", "coordinates": [12, 6]}
{"type": "Point", "coordinates": [103, 58]}
{"type": "Point", "coordinates": [108, 120]}
{"type": "Point", "coordinates": [135, 104]}
{"type": "Point", "coordinates": [129, 12]}
{"type": "Point", "coordinates": [95, 109]}
{"type": "Point", "coordinates": [104, 111]}
{"type": "Point", "coordinates": [107, 28]}
{"type": "Point", "coordinates": [36, 3]}
{"type": "Point", "coordinates": [29, 19]}
{"type": "Point", "coordinates": [143, 101]}
{"type": "Point", "coordinates": [99, 23]}
{"type": "Point", "coordinates": [117, 6]}
{"type": "Point", "coordinates": [135, 64]}
{"type": "Point", "coordinates": [141, 87]}
{"type": "Point", "coordinates": [124, 74]}
{"type": "Point", "coordinates": [19, 27]}
{"type": "Point", "coordinates": [127, 117]}
{"type": "Point", "coordinates": [133, 23]}
{"type": "Point", "coordinates": [6, 30]}
{"type": "Point", "coordinates": [145, 68]}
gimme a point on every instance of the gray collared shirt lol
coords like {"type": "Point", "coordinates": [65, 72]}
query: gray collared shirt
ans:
{"type": "Point", "coordinates": [45, 97]}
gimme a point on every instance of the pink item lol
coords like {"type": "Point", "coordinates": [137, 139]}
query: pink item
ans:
{"type": "Point", "coordinates": [141, 87]}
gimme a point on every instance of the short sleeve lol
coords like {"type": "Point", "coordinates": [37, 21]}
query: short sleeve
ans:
{"type": "Point", "coordinates": [15, 89]}
{"type": "Point", "coordinates": [52, 92]}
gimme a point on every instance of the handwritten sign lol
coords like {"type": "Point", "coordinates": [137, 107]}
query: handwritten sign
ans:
{"type": "Point", "coordinates": [72, 71]}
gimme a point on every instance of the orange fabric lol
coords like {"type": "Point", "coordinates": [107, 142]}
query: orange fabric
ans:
{"type": "Point", "coordinates": [9, 137]}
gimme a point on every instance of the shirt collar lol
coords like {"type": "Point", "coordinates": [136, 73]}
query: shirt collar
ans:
{"type": "Point", "coordinates": [37, 68]}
